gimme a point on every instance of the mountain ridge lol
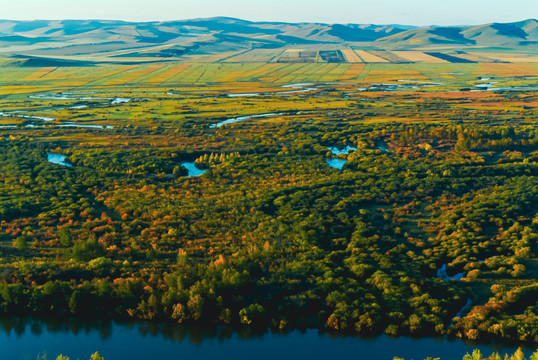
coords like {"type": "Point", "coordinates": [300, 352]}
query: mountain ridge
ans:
{"type": "Point", "coordinates": [500, 34]}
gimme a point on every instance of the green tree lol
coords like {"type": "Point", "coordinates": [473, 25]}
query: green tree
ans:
{"type": "Point", "coordinates": [254, 314]}
{"type": "Point", "coordinates": [97, 356]}
{"type": "Point", "coordinates": [21, 242]}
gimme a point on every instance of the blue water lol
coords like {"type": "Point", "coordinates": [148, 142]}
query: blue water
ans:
{"type": "Point", "coordinates": [57, 159]}
{"type": "Point", "coordinates": [192, 169]}
{"type": "Point", "coordinates": [242, 118]}
{"type": "Point", "coordinates": [336, 163]}
{"type": "Point", "coordinates": [25, 339]}
{"type": "Point", "coordinates": [345, 150]}
{"type": "Point", "coordinates": [441, 273]}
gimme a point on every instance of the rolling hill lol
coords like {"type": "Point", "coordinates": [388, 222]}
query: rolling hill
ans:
{"type": "Point", "coordinates": [511, 35]}
{"type": "Point", "coordinates": [229, 39]}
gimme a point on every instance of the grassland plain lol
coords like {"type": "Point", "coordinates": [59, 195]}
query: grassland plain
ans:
{"type": "Point", "coordinates": [442, 177]}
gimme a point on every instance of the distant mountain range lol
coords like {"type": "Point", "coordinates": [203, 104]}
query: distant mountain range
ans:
{"type": "Point", "coordinates": [517, 34]}
{"type": "Point", "coordinates": [222, 39]}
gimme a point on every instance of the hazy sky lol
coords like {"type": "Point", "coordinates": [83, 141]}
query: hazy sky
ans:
{"type": "Point", "coordinates": [411, 12]}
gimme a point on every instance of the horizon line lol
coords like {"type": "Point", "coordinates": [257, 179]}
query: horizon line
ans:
{"type": "Point", "coordinates": [263, 21]}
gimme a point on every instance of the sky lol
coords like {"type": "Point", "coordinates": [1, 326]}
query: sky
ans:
{"type": "Point", "coordinates": [407, 12]}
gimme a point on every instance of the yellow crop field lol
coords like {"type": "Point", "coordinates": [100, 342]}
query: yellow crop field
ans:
{"type": "Point", "coordinates": [167, 74]}
{"type": "Point", "coordinates": [110, 74]}
{"type": "Point", "coordinates": [388, 55]}
{"type": "Point", "coordinates": [73, 76]}
{"type": "Point", "coordinates": [213, 58]}
{"type": "Point", "coordinates": [39, 74]}
{"type": "Point", "coordinates": [508, 69]}
{"type": "Point", "coordinates": [133, 74]}
{"type": "Point", "coordinates": [247, 76]}
{"type": "Point", "coordinates": [351, 56]}
{"type": "Point", "coordinates": [14, 75]}
{"type": "Point", "coordinates": [280, 72]}
{"type": "Point", "coordinates": [306, 73]}
{"type": "Point", "coordinates": [290, 55]}
{"type": "Point", "coordinates": [4, 90]}
{"type": "Point", "coordinates": [352, 72]}
{"type": "Point", "coordinates": [370, 58]}
{"type": "Point", "coordinates": [148, 76]}
{"type": "Point", "coordinates": [197, 73]}
{"type": "Point", "coordinates": [237, 71]}
{"type": "Point", "coordinates": [57, 74]}
{"type": "Point", "coordinates": [93, 75]}
{"type": "Point", "coordinates": [418, 56]}
{"type": "Point", "coordinates": [255, 56]}
{"type": "Point", "coordinates": [335, 73]}
{"type": "Point", "coordinates": [313, 72]}
{"type": "Point", "coordinates": [214, 72]}
{"type": "Point", "coordinates": [376, 76]}
{"type": "Point", "coordinates": [210, 72]}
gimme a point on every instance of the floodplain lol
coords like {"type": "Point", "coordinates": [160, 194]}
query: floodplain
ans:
{"type": "Point", "coordinates": [439, 170]}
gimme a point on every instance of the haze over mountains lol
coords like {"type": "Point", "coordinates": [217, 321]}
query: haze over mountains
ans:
{"type": "Point", "coordinates": [229, 39]}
